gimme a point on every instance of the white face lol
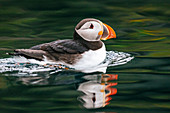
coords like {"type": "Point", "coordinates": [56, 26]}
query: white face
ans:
{"type": "Point", "coordinates": [90, 31]}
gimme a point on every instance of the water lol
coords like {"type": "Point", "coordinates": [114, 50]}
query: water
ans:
{"type": "Point", "coordinates": [141, 85]}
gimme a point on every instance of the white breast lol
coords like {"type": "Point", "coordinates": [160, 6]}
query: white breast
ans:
{"type": "Point", "coordinates": [90, 59]}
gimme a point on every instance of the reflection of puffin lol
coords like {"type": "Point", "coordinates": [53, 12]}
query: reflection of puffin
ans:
{"type": "Point", "coordinates": [97, 91]}
{"type": "Point", "coordinates": [85, 50]}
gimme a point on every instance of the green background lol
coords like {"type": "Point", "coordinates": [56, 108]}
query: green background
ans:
{"type": "Point", "coordinates": [142, 28]}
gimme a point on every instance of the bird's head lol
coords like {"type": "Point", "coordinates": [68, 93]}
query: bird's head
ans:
{"type": "Point", "coordinates": [93, 30]}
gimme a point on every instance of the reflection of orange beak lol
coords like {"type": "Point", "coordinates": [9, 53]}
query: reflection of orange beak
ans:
{"type": "Point", "coordinates": [111, 33]}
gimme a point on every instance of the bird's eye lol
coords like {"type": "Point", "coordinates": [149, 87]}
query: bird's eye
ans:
{"type": "Point", "coordinates": [91, 26]}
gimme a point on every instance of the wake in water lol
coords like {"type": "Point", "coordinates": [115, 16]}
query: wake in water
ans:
{"type": "Point", "coordinates": [22, 66]}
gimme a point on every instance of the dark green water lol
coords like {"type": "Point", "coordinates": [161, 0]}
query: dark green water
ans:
{"type": "Point", "coordinates": [142, 29]}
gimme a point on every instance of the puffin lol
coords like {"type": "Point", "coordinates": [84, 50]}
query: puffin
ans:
{"type": "Point", "coordinates": [84, 51]}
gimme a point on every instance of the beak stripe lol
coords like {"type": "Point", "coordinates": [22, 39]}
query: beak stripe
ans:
{"type": "Point", "coordinates": [110, 33]}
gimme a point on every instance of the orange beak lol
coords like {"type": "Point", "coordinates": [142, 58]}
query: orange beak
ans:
{"type": "Point", "coordinates": [109, 31]}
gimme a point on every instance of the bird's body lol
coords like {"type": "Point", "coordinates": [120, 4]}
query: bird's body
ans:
{"type": "Point", "coordinates": [91, 58]}
{"type": "Point", "coordinates": [84, 51]}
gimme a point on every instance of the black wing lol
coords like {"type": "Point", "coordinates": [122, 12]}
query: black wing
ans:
{"type": "Point", "coordinates": [62, 46]}
{"type": "Point", "coordinates": [64, 50]}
